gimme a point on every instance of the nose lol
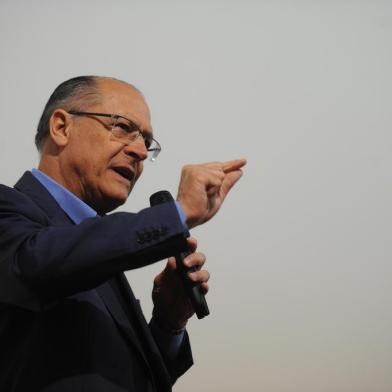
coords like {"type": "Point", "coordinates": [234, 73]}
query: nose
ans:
{"type": "Point", "coordinates": [137, 149]}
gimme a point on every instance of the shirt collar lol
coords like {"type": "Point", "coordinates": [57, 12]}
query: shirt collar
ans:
{"type": "Point", "coordinates": [75, 208]}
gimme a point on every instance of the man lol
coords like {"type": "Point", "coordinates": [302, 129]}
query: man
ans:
{"type": "Point", "coordinates": [68, 318]}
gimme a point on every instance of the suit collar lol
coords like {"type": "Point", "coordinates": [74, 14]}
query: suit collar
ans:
{"type": "Point", "coordinates": [30, 186]}
{"type": "Point", "coordinates": [74, 207]}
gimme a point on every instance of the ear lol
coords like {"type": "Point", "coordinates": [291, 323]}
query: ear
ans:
{"type": "Point", "coordinates": [59, 125]}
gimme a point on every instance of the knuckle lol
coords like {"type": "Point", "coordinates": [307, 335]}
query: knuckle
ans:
{"type": "Point", "coordinates": [186, 169]}
{"type": "Point", "coordinates": [194, 241]}
{"type": "Point", "coordinates": [200, 174]}
{"type": "Point", "coordinates": [192, 276]}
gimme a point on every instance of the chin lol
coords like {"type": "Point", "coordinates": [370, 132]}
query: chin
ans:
{"type": "Point", "coordinates": [110, 205]}
{"type": "Point", "coordinates": [110, 201]}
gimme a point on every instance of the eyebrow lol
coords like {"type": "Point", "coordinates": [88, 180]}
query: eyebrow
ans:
{"type": "Point", "coordinates": [145, 132]}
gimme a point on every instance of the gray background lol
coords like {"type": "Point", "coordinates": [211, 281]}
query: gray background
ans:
{"type": "Point", "coordinates": [300, 253]}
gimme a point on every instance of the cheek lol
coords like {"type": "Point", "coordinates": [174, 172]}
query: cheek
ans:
{"type": "Point", "coordinates": [92, 156]}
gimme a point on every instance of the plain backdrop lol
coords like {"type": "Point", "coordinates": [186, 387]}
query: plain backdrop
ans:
{"type": "Point", "coordinates": [300, 254]}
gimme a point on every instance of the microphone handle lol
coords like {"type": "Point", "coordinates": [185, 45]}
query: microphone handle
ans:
{"type": "Point", "coordinates": [192, 289]}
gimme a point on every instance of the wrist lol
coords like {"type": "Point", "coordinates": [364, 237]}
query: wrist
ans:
{"type": "Point", "coordinates": [190, 219]}
{"type": "Point", "coordinates": [168, 327]}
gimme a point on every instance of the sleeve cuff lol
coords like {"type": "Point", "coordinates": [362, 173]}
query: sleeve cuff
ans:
{"type": "Point", "coordinates": [182, 215]}
{"type": "Point", "coordinates": [169, 343]}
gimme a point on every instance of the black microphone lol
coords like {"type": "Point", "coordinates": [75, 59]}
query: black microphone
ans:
{"type": "Point", "coordinates": [192, 289]}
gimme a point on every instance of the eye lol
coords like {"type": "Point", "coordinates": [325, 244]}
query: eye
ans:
{"type": "Point", "coordinates": [126, 127]}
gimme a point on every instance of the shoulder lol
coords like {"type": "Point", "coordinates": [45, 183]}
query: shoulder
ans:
{"type": "Point", "coordinates": [11, 196]}
{"type": "Point", "coordinates": [13, 201]}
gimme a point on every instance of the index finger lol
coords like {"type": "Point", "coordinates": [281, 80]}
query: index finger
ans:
{"type": "Point", "coordinates": [233, 165]}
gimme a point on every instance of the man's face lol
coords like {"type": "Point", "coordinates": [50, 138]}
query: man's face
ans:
{"type": "Point", "coordinates": [100, 170]}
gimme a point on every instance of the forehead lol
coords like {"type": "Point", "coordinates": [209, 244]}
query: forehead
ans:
{"type": "Point", "coordinates": [123, 99]}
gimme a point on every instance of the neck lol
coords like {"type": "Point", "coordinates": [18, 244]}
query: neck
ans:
{"type": "Point", "coordinates": [50, 165]}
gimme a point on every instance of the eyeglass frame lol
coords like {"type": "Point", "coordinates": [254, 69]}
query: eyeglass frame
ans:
{"type": "Point", "coordinates": [156, 151]}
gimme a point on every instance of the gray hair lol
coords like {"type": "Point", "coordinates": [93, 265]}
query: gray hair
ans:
{"type": "Point", "coordinates": [69, 95]}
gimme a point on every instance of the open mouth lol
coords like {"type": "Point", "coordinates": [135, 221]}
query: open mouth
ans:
{"type": "Point", "coordinates": [125, 172]}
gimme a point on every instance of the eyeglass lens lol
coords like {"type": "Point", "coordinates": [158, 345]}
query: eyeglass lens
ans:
{"type": "Point", "coordinates": [126, 132]}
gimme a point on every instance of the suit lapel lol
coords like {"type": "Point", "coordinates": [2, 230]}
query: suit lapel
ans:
{"type": "Point", "coordinates": [114, 307]}
{"type": "Point", "coordinates": [149, 351]}
{"type": "Point", "coordinates": [155, 358]}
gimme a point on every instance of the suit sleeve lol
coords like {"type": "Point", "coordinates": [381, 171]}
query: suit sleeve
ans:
{"type": "Point", "coordinates": [182, 362]}
{"type": "Point", "coordinates": [40, 263]}
{"type": "Point", "coordinates": [178, 359]}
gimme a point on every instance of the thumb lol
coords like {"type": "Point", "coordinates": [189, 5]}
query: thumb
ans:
{"type": "Point", "coordinates": [166, 272]}
{"type": "Point", "coordinates": [170, 265]}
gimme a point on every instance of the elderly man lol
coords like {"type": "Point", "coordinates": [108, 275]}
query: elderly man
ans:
{"type": "Point", "coordinates": [68, 318]}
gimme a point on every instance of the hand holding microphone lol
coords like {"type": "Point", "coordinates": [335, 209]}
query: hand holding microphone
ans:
{"type": "Point", "coordinates": [192, 289]}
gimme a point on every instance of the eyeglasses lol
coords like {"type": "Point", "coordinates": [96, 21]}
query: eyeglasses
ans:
{"type": "Point", "coordinates": [126, 131]}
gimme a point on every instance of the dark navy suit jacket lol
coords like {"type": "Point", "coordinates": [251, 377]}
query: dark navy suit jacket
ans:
{"type": "Point", "coordinates": [68, 318]}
